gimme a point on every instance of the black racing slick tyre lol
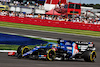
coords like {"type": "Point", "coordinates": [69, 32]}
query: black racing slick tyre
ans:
{"type": "Point", "coordinates": [51, 54]}
{"type": "Point", "coordinates": [90, 56]}
{"type": "Point", "coordinates": [21, 50]}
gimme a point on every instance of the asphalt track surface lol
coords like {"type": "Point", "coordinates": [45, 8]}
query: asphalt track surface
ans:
{"type": "Point", "coordinates": [7, 61]}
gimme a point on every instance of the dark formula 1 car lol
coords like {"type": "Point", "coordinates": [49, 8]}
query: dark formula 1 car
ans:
{"type": "Point", "coordinates": [64, 49]}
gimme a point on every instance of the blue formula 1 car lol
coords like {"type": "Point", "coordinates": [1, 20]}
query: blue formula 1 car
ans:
{"type": "Point", "coordinates": [64, 49]}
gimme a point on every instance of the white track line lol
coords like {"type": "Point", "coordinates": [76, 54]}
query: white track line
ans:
{"type": "Point", "coordinates": [30, 36]}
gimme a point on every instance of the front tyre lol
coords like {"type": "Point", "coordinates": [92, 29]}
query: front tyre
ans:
{"type": "Point", "coordinates": [90, 56]}
{"type": "Point", "coordinates": [21, 50]}
{"type": "Point", "coordinates": [51, 54]}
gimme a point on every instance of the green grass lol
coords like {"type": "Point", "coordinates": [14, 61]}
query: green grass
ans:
{"type": "Point", "coordinates": [53, 29]}
{"type": "Point", "coordinates": [8, 47]}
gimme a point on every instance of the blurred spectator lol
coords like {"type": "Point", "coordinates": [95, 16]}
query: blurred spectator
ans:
{"type": "Point", "coordinates": [95, 22]}
{"type": "Point", "coordinates": [39, 16]}
{"type": "Point", "coordinates": [99, 22]}
{"type": "Point", "coordinates": [47, 17]}
{"type": "Point", "coordinates": [78, 18]}
{"type": "Point", "coordinates": [43, 17]}
{"type": "Point", "coordinates": [85, 21]}
{"type": "Point", "coordinates": [26, 15]}
{"type": "Point", "coordinates": [4, 13]}
{"type": "Point", "coordinates": [12, 14]}
{"type": "Point", "coordinates": [31, 15]}
{"type": "Point", "coordinates": [69, 19]}
{"type": "Point", "coordinates": [55, 18]}
{"type": "Point", "coordinates": [60, 18]}
{"type": "Point", "coordinates": [21, 15]}
{"type": "Point", "coordinates": [50, 18]}
{"type": "Point", "coordinates": [74, 20]}
{"type": "Point", "coordinates": [66, 19]}
{"type": "Point", "coordinates": [28, 3]}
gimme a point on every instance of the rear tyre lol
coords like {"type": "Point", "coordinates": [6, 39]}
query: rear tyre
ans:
{"type": "Point", "coordinates": [51, 54]}
{"type": "Point", "coordinates": [90, 56]}
{"type": "Point", "coordinates": [20, 48]}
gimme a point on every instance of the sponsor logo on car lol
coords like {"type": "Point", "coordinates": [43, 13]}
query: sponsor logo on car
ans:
{"type": "Point", "coordinates": [70, 48]}
{"type": "Point", "coordinates": [67, 43]}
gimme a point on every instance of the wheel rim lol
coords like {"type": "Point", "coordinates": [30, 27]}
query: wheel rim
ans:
{"type": "Point", "coordinates": [93, 56]}
{"type": "Point", "coordinates": [25, 49]}
{"type": "Point", "coordinates": [51, 55]}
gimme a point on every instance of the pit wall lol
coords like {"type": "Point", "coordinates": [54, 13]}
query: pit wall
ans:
{"type": "Point", "coordinates": [51, 23]}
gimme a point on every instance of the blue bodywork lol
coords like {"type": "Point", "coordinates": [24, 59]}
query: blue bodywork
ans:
{"type": "Point", "coordinates": [66, 45]}
{"type": "Point", "coordinates": [39, 47]}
